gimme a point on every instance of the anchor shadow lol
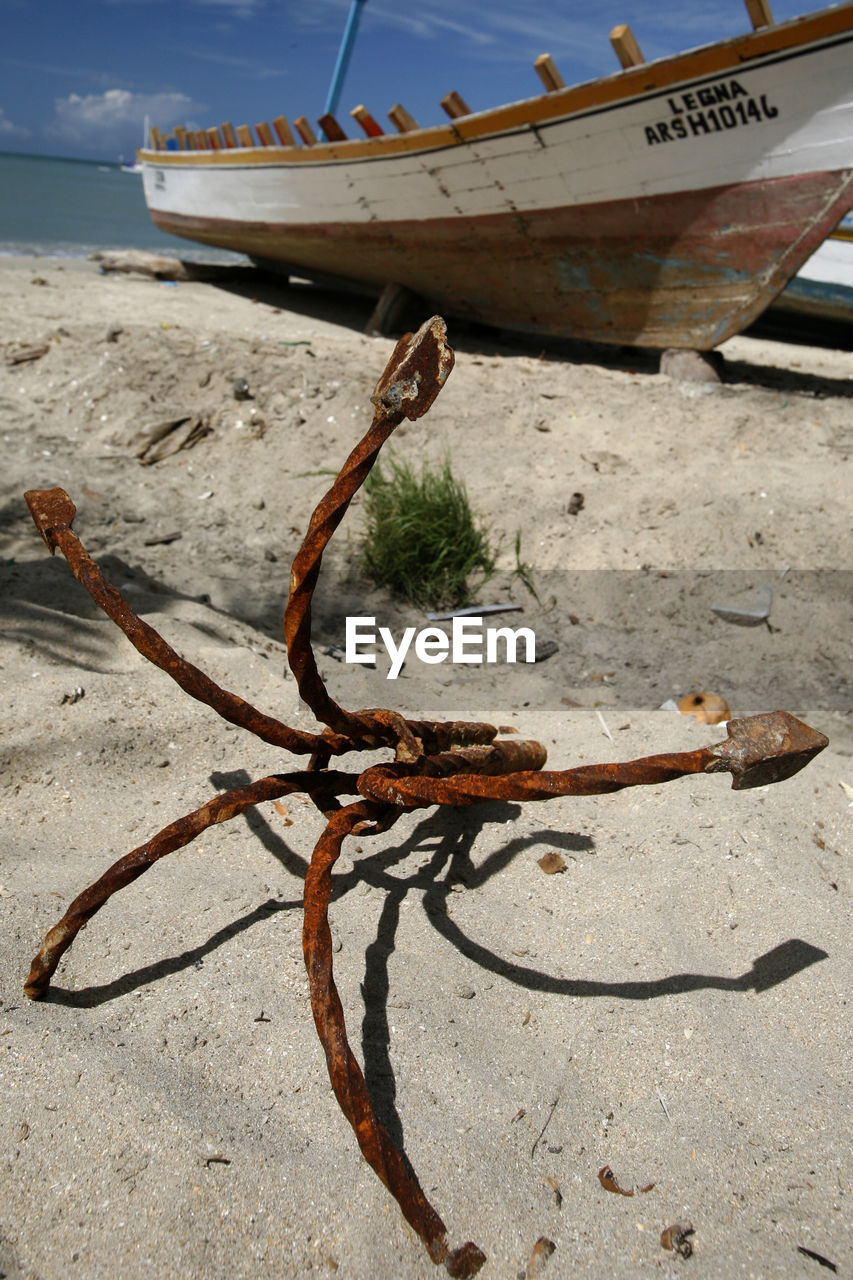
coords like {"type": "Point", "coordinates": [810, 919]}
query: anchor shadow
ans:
{"type": "Point", "coordinates": [449, 838]}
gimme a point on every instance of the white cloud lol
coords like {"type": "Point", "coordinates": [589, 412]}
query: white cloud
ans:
{"type": "Point", "coordinates": [10, 130]}
{"type": "Point", "coordinates": [256, 69]}
{"type": "Point", "coordinates": [240, 8]}
{"type": "Point", "coordinates": [502, 29]}
{"type": "Point", "coordinates": [489, 32]}
{"type": "Point", "coordinates": [100, 120]}
{"type": "Point", "coordinates": [429, 23]}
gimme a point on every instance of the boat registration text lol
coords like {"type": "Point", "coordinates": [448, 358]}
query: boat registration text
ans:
{"type": "Point", "coordinates": [710, 109]}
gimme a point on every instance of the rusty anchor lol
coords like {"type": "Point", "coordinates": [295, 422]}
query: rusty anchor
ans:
{"type": "Point", "coordinates": [435, 763]}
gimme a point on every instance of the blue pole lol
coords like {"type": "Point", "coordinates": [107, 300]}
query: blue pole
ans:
{"type": "Point", "coordinates": [344, 53]}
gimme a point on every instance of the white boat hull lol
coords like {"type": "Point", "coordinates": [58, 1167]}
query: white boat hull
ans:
{"type": "Point", "coordinates": [664, 206]}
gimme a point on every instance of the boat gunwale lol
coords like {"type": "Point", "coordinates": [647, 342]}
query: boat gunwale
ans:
{"type": "Point", "coordinates": [591, 97]}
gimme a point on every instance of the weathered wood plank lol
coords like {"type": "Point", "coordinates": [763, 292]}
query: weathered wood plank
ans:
{"type": "Point", "coordinates": [627, 50]}
{"type": "Point", "coordinates": [401, 120]}
{"type": "Point", "coordinates": [283, 133]}
{"type": "Point", "coordinates": [546, 69]}
{"type": "Point", "coordinates": [331, 128]}
{"type": "Point", "coordinates": [393, 306]}
{"type": "Point", "coordinates": [759, 12]}
{"type": "Point", "coordinates": [367, 122]}
{"type": "Point", "coordinates": [455, 105]}
{"type": "Point", "coordinates": [305, 131]}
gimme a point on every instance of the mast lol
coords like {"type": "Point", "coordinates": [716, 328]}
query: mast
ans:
{"type": "Point", "coordinates": [344, 53]}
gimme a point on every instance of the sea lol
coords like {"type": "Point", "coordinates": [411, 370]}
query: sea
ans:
{"type": "Point", "coordinates": [71, 208]}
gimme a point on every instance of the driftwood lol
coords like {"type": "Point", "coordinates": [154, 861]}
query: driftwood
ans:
{"type": "Point", "coordinates": [159, 440]}
{"type": "Point", "coordinates": [158, 267]}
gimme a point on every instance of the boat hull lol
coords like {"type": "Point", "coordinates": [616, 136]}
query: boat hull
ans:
{"type": "Point", "coordinates": [679, 270]}
{"type": "Point", "coordinates": [665, 206]}
{"type": "Point", "coordinates": [822, 290]}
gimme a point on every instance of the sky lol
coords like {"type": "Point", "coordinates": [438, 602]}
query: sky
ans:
{"type": "Point", "coordinates": [78, 77]}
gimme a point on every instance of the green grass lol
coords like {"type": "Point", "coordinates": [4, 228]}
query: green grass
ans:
{"type": "Point", "coordinates": [422, 539]}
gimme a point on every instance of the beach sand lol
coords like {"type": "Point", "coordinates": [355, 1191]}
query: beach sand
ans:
{"type": "Point", "coordinates": [673, 1004]}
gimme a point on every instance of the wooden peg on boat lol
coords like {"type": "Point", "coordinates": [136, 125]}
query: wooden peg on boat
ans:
{"type": "Point", "coordinates": [401, 120]}
{"type": "Point", "coordinates": [282, 129]}
{"type": "Point", "coordinates": [547, 72]}
{"type": "Point", "coordinates": [214, 141]}
{"type": "Point", "coordinates": [228, 134]}
{"type": "Point", "coordinates": [305, 131]}
{"type": "Point", "coordinates": [264, 132]}
{"type": "Point", "coordinates": [627, 50]}
{"type": "Point", "coordinates": [759, 13]}
{"type": "Point", "coordinates": [155, 138]}
{"type": "Point", "coordinates": [244, 136]}
{"type": "Point", "coordinates": [200, 140]}
{"type": "Point", "coordinates": [455, 105]}
{"type": "Point", "coordinates": [363, 117]}
{"type": "Point", "coordinates": [181, 135]}
{"type": "Point", "coordinates": [331, 128]}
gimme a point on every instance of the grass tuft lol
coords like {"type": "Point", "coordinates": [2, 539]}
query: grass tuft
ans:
{"type": "Point", "coordinates": [422, 538]}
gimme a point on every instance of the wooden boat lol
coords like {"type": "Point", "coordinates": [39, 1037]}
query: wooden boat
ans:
{"type": "Point", "coordinates": [664, 206]}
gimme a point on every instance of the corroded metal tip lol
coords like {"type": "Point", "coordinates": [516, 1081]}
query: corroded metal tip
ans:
{"type": "Point", "coordinates": [764, 749]}
{"type": "Point", "coordinates": [50, 509]}
{"type": "Point", "coordinates": [416, 372]}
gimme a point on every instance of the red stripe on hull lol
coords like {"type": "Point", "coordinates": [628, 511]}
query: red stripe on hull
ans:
{"type": "Point", "coordinates": [687, 269]}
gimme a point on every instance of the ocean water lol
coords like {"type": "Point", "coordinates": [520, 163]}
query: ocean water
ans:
{"type": "Point", "coordinates": [70, 208]}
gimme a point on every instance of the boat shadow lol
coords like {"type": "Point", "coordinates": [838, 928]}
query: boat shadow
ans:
{"type": "Point", "coordinates": [351, 307]}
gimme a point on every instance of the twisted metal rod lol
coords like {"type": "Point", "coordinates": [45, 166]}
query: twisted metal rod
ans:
{"type": "Point", "coordinates": [176, 835]}
{"type": "Point", "coordinates": [53, 511]}
{"type": "Point", "coordinates": [345, 1074]}
{"type": "Point", "coordinates": [455, 763]}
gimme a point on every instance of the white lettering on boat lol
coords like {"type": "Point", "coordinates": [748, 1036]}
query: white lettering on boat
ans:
{"type": "Point", "coordinates": [432, 645]}
{"type": "Point", "coordinates": [712, 108]}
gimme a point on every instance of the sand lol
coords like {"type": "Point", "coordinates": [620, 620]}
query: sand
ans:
{"type": "Point", "coordinates": [673, 1004]}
